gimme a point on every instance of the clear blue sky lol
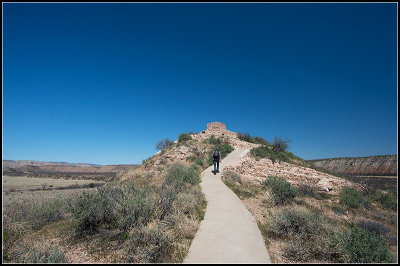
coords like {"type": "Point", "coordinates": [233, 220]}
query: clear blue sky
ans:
{"type": "Point", "coordinates": [102, 83]}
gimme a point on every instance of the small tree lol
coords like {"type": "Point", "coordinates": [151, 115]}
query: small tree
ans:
{"type": "Point", "coordinates": [164, 143]}
{"type": "Point", "coordinates": [279, 144]}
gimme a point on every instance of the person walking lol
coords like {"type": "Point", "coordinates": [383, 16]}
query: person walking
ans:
{"type": "Point", "coordinates": [217, 159]}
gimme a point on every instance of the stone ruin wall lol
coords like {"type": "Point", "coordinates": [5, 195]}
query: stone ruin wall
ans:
{"type": "Point", "coordinates": [215, 128]}
{"type": "Point", "coordinates": [219, 130]}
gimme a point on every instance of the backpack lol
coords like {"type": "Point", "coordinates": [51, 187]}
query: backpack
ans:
{"type": "Point", "coordinates": [216, 154]}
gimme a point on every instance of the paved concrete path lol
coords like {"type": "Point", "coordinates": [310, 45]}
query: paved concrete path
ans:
{"type": "Point", "coordinates": [228, 233]}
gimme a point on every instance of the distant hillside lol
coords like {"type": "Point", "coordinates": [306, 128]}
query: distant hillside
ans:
{"type": "Point", "coordinates": [61, 169]}
{"type": "Point", "coordinates": [383, 165]}
{"type": "Point", "coordinates": [19, 163]}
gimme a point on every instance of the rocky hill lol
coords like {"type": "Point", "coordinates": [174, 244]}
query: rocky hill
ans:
{"type": "Point", "coordinates": [385, 165]}
{"type": "Point", "coordinates": [199, 148]}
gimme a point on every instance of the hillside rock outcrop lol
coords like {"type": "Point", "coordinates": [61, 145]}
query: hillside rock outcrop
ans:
{"type": "Point", "coordinates": [296, 175]}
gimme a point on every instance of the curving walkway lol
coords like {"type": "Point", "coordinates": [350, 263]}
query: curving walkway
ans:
{"type": "Point", "coordinates": [228, 233]}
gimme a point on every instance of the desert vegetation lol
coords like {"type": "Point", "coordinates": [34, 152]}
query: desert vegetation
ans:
{"type": "Point", "coordinates": [164, 143]}
{"type": "Point", "coordinates": [257, 140]}
{"type": "Point", "coordinates": [132, 221]}
{"type": "Point", "coordinates": [275, 150]}
{"type": "Point", "coordinates": [276, 154]}
{"type": "Point", "coordinates": [184, 137]}
{"type": "Point", "coordinates": [302, 224]}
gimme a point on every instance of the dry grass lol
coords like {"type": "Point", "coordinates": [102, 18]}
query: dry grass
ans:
{"type": "Point", "coordinates": [19, 188]}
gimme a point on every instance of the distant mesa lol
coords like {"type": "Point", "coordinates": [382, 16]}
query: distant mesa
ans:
{"type": "Point", "coordinates": [380, 165]}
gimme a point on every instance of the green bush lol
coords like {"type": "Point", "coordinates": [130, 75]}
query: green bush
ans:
{"type": "Point", "coordinates": [199, 161]}
{"type": "Point", "coordinates": [89, 213]}
{"type": "Point", "coordinates": [214, 141]}
{"type": "Point", "coordinates": [388, 201]}
{"type": "Point", "coordinates": [119, 207]}
{"type": "Point", "coordinates": [261, 140]}
{"type": "Point", "coordinates": [178, 176]}
{"type": "Point", "coordinates": [351, 198]}
{"type": "Point", "coordinates": [184, 137]}
{"type": "Point", "coordinates": [366, 247]}
{"type": "Point", "coordinates": [247, 137]}
{"type": "Point", "coordinates": [291, 221]}
{"type": "Point", "coordinates": [285, 156]}
{"type": "Point", "coordinates": [282, 191]}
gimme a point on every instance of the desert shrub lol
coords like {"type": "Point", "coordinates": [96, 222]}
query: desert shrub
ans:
{"type": "Point", "coordinates": [146, 244]}
{"type": "Point", "coordinates": [388, 201]}
{"type": "Point", "coordinates": [279, 145]}
{"type": "Point", "coordinates": [13, 229]}
{"type": "Point", "coordinates": [373, 226]}
{"type": "Point", "coordinates": [199, 161]}
{"type": "Point", "coordinates": [168, 195]}
{"type": "Point", "coordinates": [179, 175]}
{"type": "Point", "coordinates": [232, 177]}
{"type": "Point", "coordinates": [39, 255]}
{"type": "Point", "coordinates": [364, 246]}
{"type": "Point", "coordinates": [133, 206]}
{"type": "Point", "coordinates": [190, 202]}
{"type": "Point", "coordinates": [267, 152]}
{"type": "Point", "coordinates": [36, 214]}
{"type": "Point", "coordinates": [307, 190]}
{"type": "Point", "coordinates": [338, 210]}
{"type": "Point", "coordinates": [291, 221]}
{"type": "Point", "coordinates": [214, 141]}
{"type": "Point", "coordinates": [310, 235]}
{"type": "Point", "coordinates": [177, 179]}
{"type": "Point", "coordinates": [112, 207]}
{"type": "Point", "coordinates": [164, 143]}
{"type": "Point", "coordinates": [184, 137]}
{"type": "Point", "coordinates": [263, 152]}
{"type": "Point", "coordinates": [261, 140]}
{"type": "Point", "coordinates": [351, 198]}
{"type": "Point", "coordinates": [245, 137]}
{"type": "Point", "coordinates": [283, 192]}
{"type": "Point", "coordinates": [90, 213]}
{"type": "Point", "coordinates": [319, 247]}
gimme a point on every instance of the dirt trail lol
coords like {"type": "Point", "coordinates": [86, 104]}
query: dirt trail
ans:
{"type": "Point", "coordinates": [228, 233]}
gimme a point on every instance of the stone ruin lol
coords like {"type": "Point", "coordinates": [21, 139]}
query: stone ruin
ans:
{"type": "Point", "coordinates": [217, 129]}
